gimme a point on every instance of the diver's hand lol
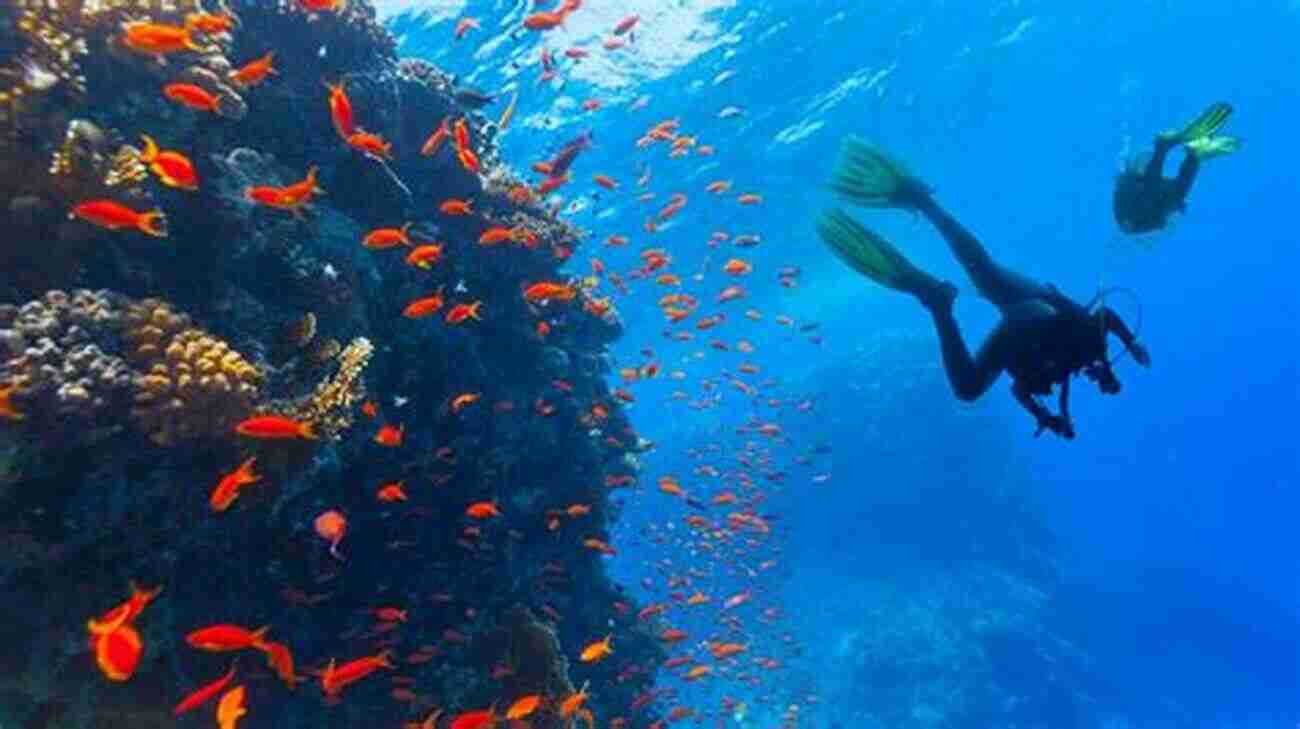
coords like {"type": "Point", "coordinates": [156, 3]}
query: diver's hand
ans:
{"type": "Point", "coordinates": [1139, 353]}
{"type": "Point", "coordinates": [1057, 424]}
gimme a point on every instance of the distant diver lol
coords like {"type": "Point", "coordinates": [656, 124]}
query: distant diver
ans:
{"type": "Point", "coordinates": [1044, 337]}
{"type": "Point", "coordinates": [1144, 199]}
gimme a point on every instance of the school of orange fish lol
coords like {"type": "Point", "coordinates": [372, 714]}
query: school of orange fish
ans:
{"type": "Point", "coordinates": [727, 539]}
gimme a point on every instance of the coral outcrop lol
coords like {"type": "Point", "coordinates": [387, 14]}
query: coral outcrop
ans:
{"type": "Point", "coordinates": [191, 383]}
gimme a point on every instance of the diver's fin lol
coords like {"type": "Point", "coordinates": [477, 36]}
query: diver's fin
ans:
{"type": "Point", "coordinates": [872, 256]}
{"type": "Point", "coordinates": [1205, 125]}
{"type": "Point", "coordinates": [1208, 147]}
{"type": "Point", "coordinates": [867, 176]}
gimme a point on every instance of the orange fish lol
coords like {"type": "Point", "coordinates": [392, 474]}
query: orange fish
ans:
{"type": "Point", "coordinates": [544, 21]}
{"type": "Point", "coordinates": [158, 39]}
{"type": "Point", "coordinates": [543, 329]}
{"type": "Point", "coordinates": [224, 637]}
{"type": "Point", "coordinates": [384, 238]}
{"type": "Point", "coordinates": [474, 719]}
{"type": "Point", "coordinates": [113, 216]}
{"type": "Point", "coordinates": [482, 510]}
{"type": "Point", "coordinates": [341, 111]}
{"type": "Point", "coordinates": [718, 186]}
{"type": "Point", "coordinates": [254, 72]}
{"type": "Point", "coordinates": [606, 182]}
{"type": "Point", "coordinates": [524, 706]}
{"type": "Point", "coordinates": [117, 653]}
{"type": "Point", "coordinates": [573, 702]}
{"type": "Point", "coordinates": [424, 256]}
{"type": "Point", "coordinates": [698, 598]}
{"type": "Point", "coordinates": [577, 510]}
{"type": "Point", "coordinates": [369, 408]}
{"type": "Point", "coordinates": [460, 402]}
{"type": "Point", "coordinates": [7, 410]}
{"type": "Point", "coordinates": [172, 168]}
{"type": "Point", "coordinates": [551, 184]}
{"type": "Point", "coordinates": [545, 290]}
{"type": "Point", "coordinates": [737, 267]}
{"type": "Point", "coordinates": [424, 307]}
{"type": "Point", "coordinates": [465, 25]}
{"type": "Point", "coordinates": [280, 659]}
{"type": "Point", "coordinates": [389, 493]}
{"type": "Point", "coordinates": [321, 6]}
{"type": "Point", "coordinates": [231, 708]}
{"type": "Point", "coordinates": [597, 651]}
{"type": "Point", "coordinates": [390, 614]}
{"type": "Point", "coordinates": [275, 427]}
{"type": "Point", "coordinates": [193, 97]}
{"type": "Point", "coordinates": [456, 207]}
{"type": "Point", "coordinates": [460, 132]}
{"type": "Point", "coordinates": [436, 140]}
{"type": "Point", "coordinates": [202, 695]}
{"type": "Point", "coordinates": [390, 436]}
{"type": "Point", "coordinates": [460, 312]}
{"type": "Point", "coordinates": [498, 234]}
{"type": "Point", "coordinates": [228, 489]}
{"type": "Point", "coordinates": [210, 23]}
{"type": "Point", "coordinates": [698, 672]}
{"type": "Point", "coordinates": [291, 197]}
{"type": "Point", "coordinates": [335, 679]}
{"type": "Point", "coordinates": [599, 545]}
{"type": "Point", "coordinates": [124, 613]}
{"type": "Point", "coordinates": [332, 526]}
{"type": "Point", "coordinates": [372, 145]}
{"type": "Point", "coordinates": [672, 635]}
{"type": "Point", "coordinates": [750, 198]}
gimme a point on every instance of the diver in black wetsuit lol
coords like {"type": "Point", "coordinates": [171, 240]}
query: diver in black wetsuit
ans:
{"type": "Point", "coordinates": [1044, 337]}
{"type": "Point", "coordinates": [1144, 199]}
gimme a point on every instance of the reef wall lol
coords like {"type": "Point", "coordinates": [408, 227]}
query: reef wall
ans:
{"type": "Point", "coordinates": [128, 359]}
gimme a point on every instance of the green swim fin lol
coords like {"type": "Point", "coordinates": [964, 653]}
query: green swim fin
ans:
{"type": "Point", "coordinates": [870, 254]}
{"type": "Point", "coordinates": [1207, 147]}
{"type": "Point", "coordinates": [866, 176]}
{"type": "Point", "coordinates": [1205, 125]}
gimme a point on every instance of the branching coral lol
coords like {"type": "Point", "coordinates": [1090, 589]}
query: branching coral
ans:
{"type": "Point", "coordinates": [330, 406]}
{"type": "Point", "coordinates": [191, 384]}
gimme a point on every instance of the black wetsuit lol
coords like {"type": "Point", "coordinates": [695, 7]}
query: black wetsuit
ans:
{"type": "Point", "coordinates": [1044, 337]}
{"type": "Point", "coordinates": [1144, 199]}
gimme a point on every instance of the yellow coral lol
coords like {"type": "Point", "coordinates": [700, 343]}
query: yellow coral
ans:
{"type": "Point", "coordinates": [192, 383]}
{"type": "Point", "coordinates": [330, 406]}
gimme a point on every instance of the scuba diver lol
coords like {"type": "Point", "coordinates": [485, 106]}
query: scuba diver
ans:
{"type": "Point", "coordinates": [1144, 199]}
{"type": "Point", "coordinates": [1044, 337]}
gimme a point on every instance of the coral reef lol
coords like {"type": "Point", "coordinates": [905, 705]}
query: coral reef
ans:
{"type": "Point", "coordinates": [191, 383]}
{"type": "Point", "coordinates": [329, 408]}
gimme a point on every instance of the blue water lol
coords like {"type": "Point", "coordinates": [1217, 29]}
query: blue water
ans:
{"type": "Point", "coordinates": [1171, 516]}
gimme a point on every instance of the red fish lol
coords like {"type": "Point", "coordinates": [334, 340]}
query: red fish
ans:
{"type": "Point", "coordinates": [254, 72]}
{"type": "Point", "coordinates": [158, 39]}
{"type": "Point", "coordinates": [424, 256]}
{"type": "Point", "coordinates": [461, 312]}
{"type": "Point", "coordinates": [205, 694]}
{"type": "Point", "coordinates": [436, 140]}
{"type": "Point", "coordinates": [172, 168]}
{"type": "Point", "coordinates": [390, 435]}
{"type": "Point", "coordinates": [115, 216]}
{"type": "Point", "coordinates": [228, 489]}
{"type": "Point", "coordinates": [275, 427]}
{"type": "Point", "coordinates": [118, 652]}
{"type": "Point", "coordinates": [384, 238]}
{"type": "Point", "coordinates": [421, 308]}
{"type": "Point", "coordinates": [335, 679]}
{"type": "Point", "coordinates": [193, 97]}
{"type": "Point", "coordinates": [224, 637]}
{"type": "Point", "coordinates": [341, 111]}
